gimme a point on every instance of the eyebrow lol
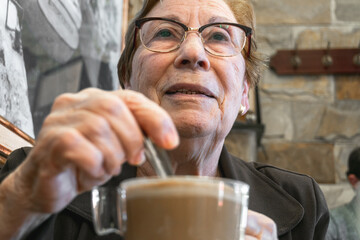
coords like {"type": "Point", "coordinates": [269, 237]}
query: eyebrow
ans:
{"type": "Point", "coordinates": [172, 17]}
{"type": "Point", "coordinates": [211, 20]}
{"type": "Point", "coordinates": [218, 19]}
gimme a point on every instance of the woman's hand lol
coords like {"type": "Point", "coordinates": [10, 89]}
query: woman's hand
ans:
{"type": "Point", "coordinates": [260, 226]}
{"type": "Point", "coordinates": [84, 141]}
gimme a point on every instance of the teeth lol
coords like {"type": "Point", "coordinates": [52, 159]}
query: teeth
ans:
{"type": "Point", "coordinates": [186, 91]}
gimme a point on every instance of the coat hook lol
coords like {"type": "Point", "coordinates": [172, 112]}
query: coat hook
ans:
{"type": "Point", "coordinates": [327, 60]}
{"type": "Point", "coordinates": [356, 58]}
{"type": "Point", "coordinates": [295, 59]}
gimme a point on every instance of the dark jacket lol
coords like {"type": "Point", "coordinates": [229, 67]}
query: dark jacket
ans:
{"type": "Point", "coordinates": [294, 201]}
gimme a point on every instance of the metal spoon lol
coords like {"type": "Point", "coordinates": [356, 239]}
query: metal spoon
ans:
{"type": "Point", "coordinates": [158, 159]}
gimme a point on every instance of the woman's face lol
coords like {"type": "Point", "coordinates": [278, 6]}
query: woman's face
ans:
{"type": "Point", "coordinates": [201, 92]}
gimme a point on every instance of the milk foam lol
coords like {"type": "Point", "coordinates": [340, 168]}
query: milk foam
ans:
{"type": "Point", "coordinates": [179, 188]}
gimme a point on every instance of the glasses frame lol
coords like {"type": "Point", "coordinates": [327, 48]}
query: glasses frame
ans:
{"type": "Point", "coordinates": [140, 22]}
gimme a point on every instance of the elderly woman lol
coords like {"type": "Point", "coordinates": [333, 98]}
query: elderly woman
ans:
{"type": "Point", "coordinates": [187, 68]}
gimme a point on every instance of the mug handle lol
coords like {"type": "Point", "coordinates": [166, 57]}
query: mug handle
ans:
{"type": "Point", "coordinates": [109, 210]}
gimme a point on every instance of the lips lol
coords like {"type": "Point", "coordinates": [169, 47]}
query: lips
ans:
{"type": "Point", "coordinates": [190, 89]}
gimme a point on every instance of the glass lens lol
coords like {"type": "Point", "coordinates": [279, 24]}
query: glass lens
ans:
{"type": "Point", "coordinates": [161, 35]}
{"type": "Point", "coordinates": [223, 40]}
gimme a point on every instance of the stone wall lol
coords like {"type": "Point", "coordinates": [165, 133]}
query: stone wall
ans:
{"type": "Point", "coordinates": [312, 122]}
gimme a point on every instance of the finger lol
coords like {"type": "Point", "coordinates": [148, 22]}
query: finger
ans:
{"type": "Point", "coordinates": [86, 182]}
{"type": "Point", "coordinates": [71, 147]}
{"type": "Point", "coordinates": [260, 226]}
{"type": "Point", "coordinates": [247, 237]}
{"type": "Point", "coordinates": [253, 226]}
{"type": "Point", "coordinates": [66, 100]}
{"type": "Point", "coordinates": [153, 119]}
{"type": "Point", "coordinates": [121, 121]}
{"type": "Point", "coordinates": [97, 131]}
{"type": "Point", "coordinates": [127, 118]}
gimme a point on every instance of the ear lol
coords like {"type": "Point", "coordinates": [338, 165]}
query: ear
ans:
{"type": "Point", "coordinates": [353, 180]}
{"type": "Point", "coordinates": [127, 85]}
{"type": "Point", "coordinates": [245, 96]}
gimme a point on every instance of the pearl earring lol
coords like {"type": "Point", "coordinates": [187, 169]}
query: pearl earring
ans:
{"type": "Point", "coordinates": [242, 109]}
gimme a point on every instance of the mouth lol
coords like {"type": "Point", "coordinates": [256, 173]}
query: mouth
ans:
{"type": "Point", "coordinates": [190, 89]}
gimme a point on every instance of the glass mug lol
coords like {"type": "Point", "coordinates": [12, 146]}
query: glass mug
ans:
{"type": "Point", "coordinates": [173, 208]}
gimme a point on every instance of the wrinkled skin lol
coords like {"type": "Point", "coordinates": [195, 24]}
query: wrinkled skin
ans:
{"type": "Point", "coordinates": [202, 120]}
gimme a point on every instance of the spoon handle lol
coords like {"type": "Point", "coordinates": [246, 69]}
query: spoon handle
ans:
{"type": "Point", "coordinates": [158, 159]}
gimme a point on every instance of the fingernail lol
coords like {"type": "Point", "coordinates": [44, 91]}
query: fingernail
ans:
{"type": "Point", "coordinates": [140, 158]}
{"type": "Point", "coordinates": [172, 139]}
{"type": "Point", "coordinates": [168, 136]}
{"type": "Point", "coordinates": [117, 171]}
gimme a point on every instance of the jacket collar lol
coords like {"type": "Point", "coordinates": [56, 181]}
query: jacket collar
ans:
{"type": "Point", "coordinates": [265, 196]}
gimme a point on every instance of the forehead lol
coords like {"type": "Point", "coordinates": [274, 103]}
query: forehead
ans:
{"type": "Point", "coordinates": [186, 11]}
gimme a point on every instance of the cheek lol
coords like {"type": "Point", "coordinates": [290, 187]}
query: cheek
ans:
{"type": "Point", "coordinates": [143, 74]}
{"type": "Point", "coordinates": [239, 72]}
{"type": "Point", "coordinates": [233, 86]}
{"type": "Point", "coordinates": [233, 91]}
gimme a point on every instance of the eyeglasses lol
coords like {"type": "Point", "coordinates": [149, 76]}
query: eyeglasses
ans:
{"type": "Point", "coordinates": [220, 39]}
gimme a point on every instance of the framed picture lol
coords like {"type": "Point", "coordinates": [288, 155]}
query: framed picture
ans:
{"type": "Point", "coordinates": [11, 138]}
{"type": "Point", "coordinates": [66, 46]}
{"type": "Point", "coordinates": [49, 47]}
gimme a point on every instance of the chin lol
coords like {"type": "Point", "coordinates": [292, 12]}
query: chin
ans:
{"type": "Point", "coordinates": [194, 125]}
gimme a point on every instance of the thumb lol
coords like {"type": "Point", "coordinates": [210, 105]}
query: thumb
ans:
{"type": "Point", "coordinates": [152, 119]}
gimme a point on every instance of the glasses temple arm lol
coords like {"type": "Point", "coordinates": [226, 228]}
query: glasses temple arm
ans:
{"type": "Point", "coordinates": [249, 48]}
{"type": "Point", "coordinates": [135, 35]}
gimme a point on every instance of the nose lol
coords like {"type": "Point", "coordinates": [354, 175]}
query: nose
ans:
{"type": "Point", "coordinates": [192, 53]}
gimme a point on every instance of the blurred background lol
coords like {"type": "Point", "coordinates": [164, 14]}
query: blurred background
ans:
{"type": "Point", "coordinates": [307, 123]}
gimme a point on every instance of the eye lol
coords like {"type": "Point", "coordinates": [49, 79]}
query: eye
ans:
{"type": "Point", "coordinates": [163, 33]}
{"type": "Point", "coordinates": [218, 36]}
{"type": "Point", "coordinates": [216, 33]}
{"type": "Point", "coordinates": [167, 33]}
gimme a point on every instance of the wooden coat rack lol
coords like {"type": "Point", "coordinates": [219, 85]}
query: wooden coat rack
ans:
{"type": "Point", "coordinates": [316, 61]}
